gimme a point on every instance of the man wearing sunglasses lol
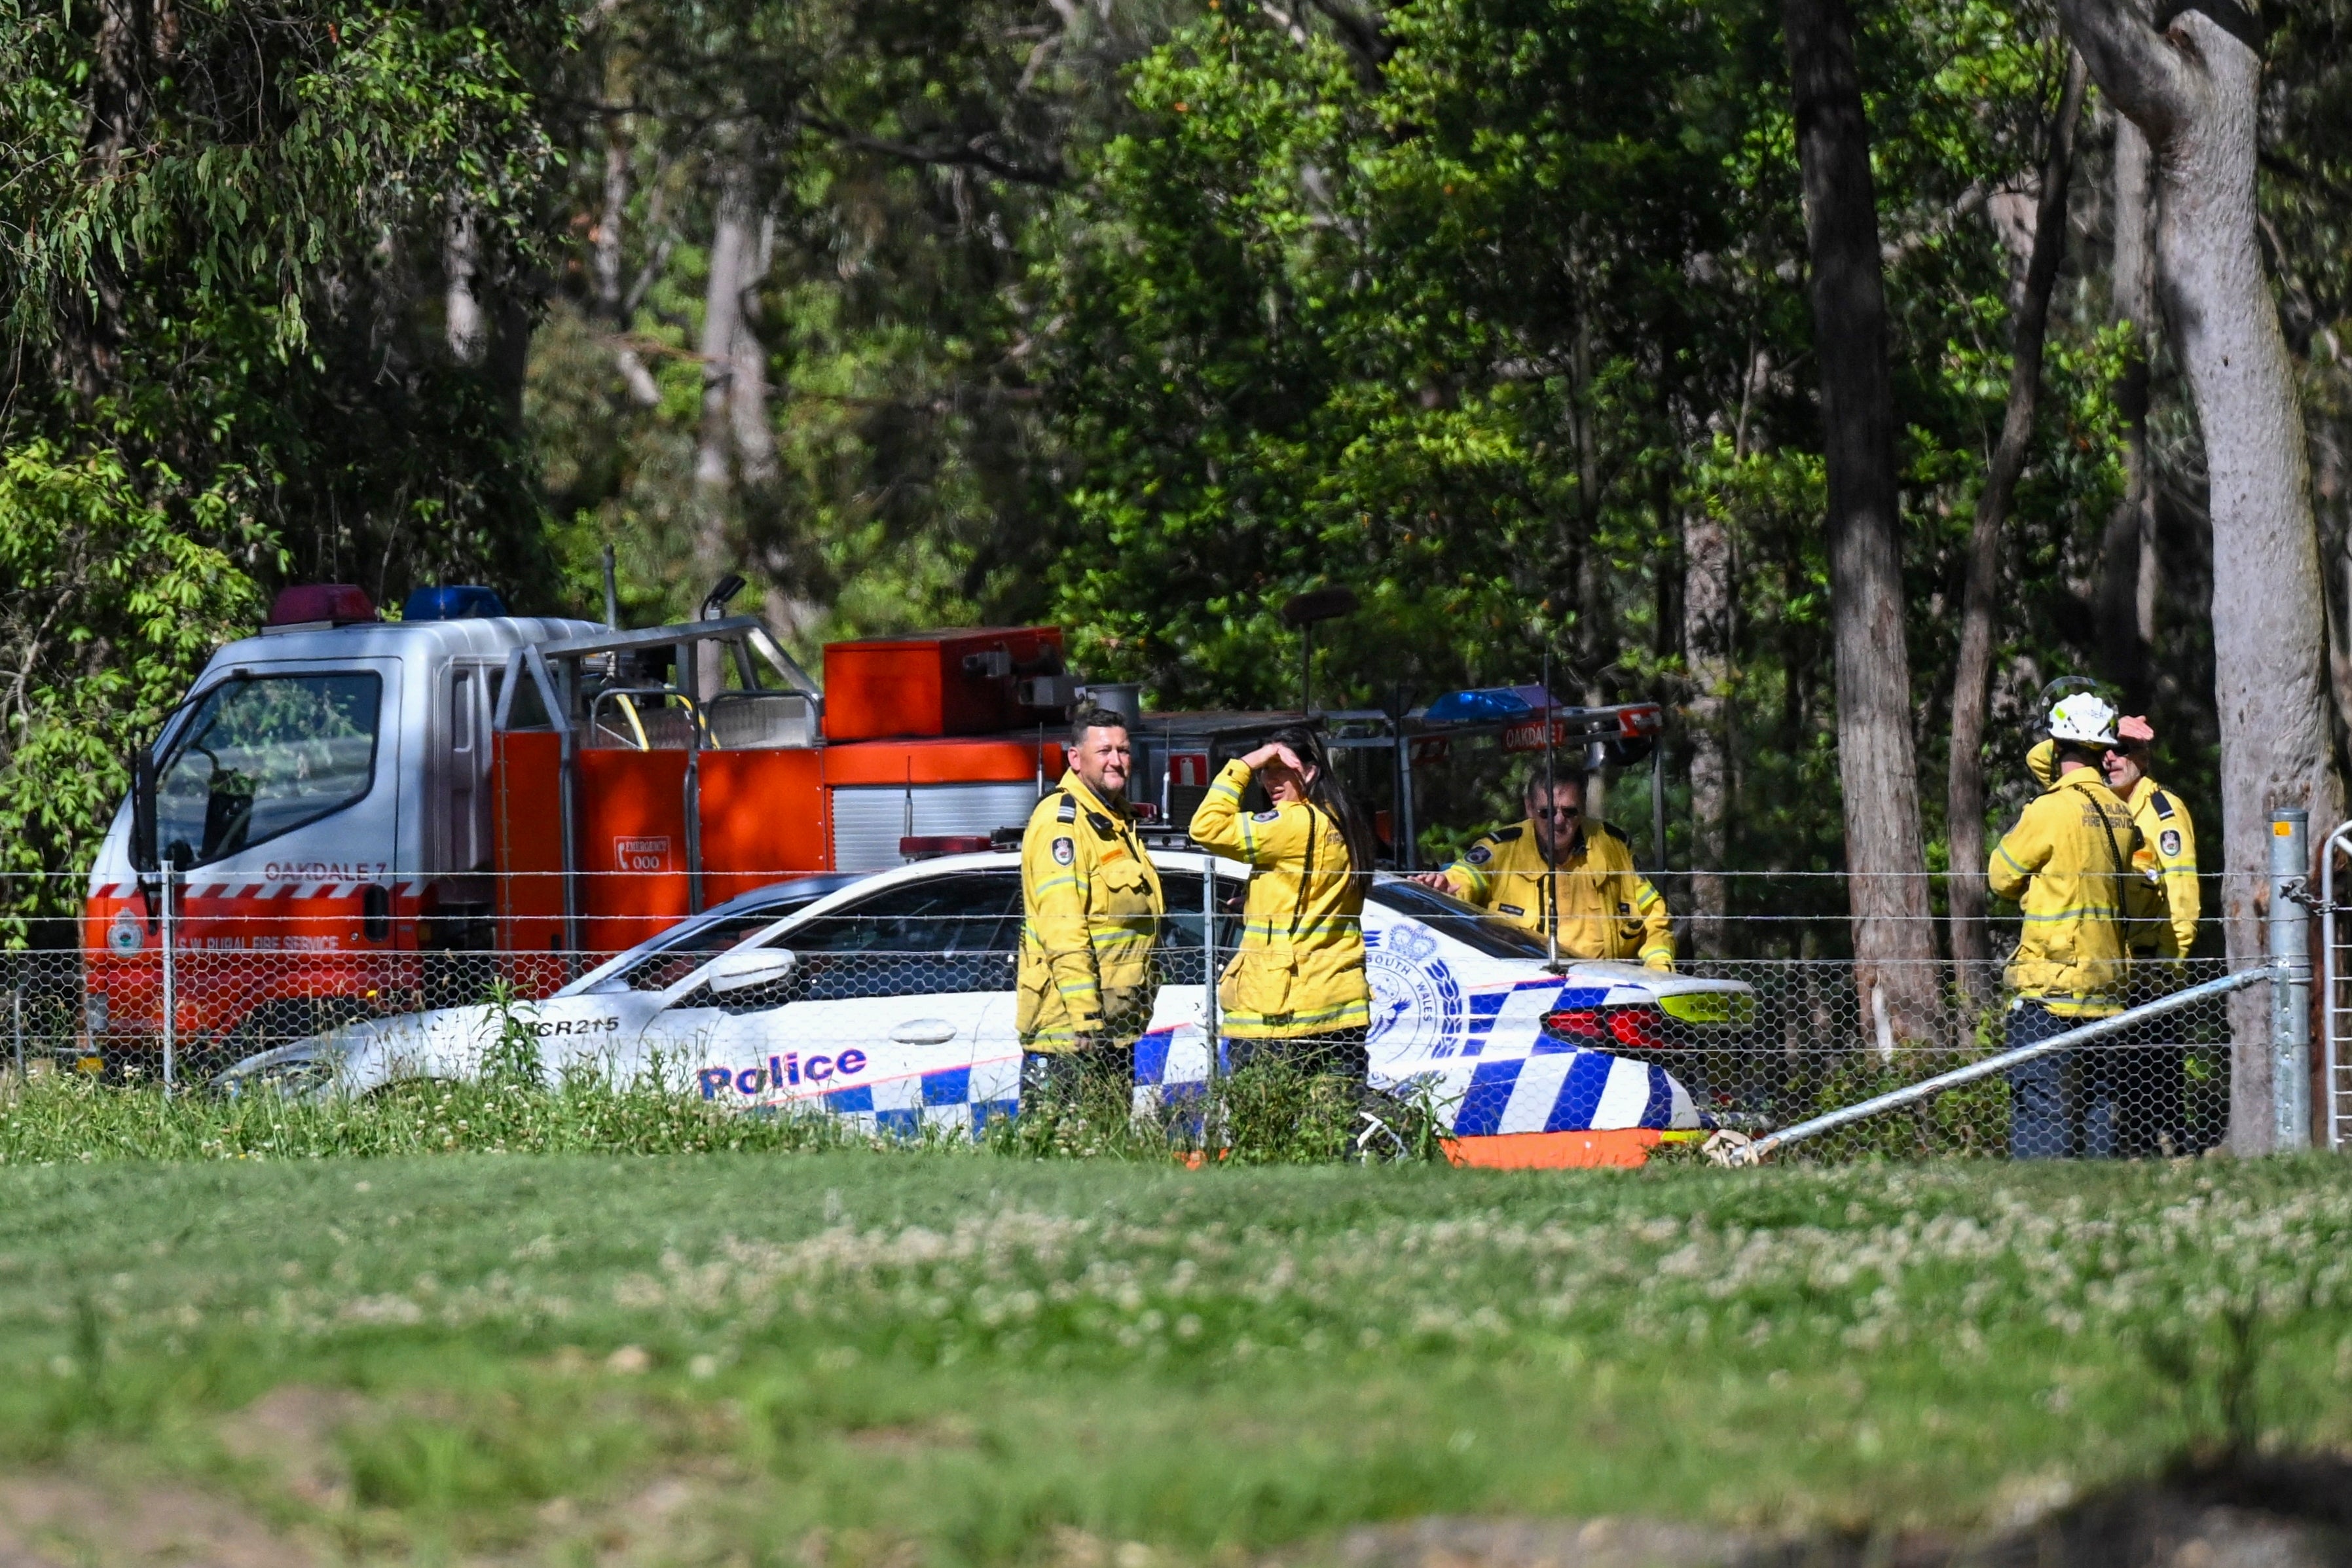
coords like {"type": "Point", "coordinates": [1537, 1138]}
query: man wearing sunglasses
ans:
{"type": "Point", "coordinates": [1554, 871]}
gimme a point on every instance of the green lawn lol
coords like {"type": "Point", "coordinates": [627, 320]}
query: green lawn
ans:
{"type": "Point", "coordinates": [968, 1358]}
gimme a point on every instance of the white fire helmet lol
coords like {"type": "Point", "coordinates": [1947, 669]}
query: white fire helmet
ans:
{"type": "Point", "coordinates": [2083, 718]}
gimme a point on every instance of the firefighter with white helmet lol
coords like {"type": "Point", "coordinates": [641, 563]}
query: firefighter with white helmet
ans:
{"type": "Point", "coordinates": [2070, 864]}
{"type": "Point", "coordinates": [2150, 1075]}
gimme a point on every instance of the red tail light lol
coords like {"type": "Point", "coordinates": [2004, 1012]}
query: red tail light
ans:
{"type": "Point", "coordinates": [1637, 1028]}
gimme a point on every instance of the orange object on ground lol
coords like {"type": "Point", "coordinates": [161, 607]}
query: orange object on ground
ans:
{"type": "Point", "coordinates": [1623, 1149]}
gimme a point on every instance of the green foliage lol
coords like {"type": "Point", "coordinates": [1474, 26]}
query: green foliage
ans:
{"type": "Point", "coordinates": [123, 585]}
{"type": "Point", "coordinates": [214, 231]}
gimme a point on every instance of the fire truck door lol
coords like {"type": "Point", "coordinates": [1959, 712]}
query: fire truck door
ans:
{"type": "Point", "coordinates": [459, 820]}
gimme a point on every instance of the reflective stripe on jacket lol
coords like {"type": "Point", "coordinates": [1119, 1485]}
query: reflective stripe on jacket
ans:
{"type": "Point", "coordinates": [1603, 906]}
{"type": "Point", "coordinates": [1090, 908]}
{"type": "Point", "coordinates": [2068, 862]}
{"type": "Point", "coordinates": [1299, 967]}
{"type": "Point", "coordinates": [2168, 857]}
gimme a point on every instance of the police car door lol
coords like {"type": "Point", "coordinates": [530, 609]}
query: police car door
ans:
{"type": "Point", "coordinates": [898, 1003]}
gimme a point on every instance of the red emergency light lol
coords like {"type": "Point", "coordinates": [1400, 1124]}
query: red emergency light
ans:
{"type": "Point", "coordinates": [321, 604]}
{"type": "Point", "coordinates": [1636, 1028]}
{"type": "Point", "coordinates": [927, 847]}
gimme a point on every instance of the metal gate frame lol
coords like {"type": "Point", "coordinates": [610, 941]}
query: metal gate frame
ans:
{"type": "Point", "coordinates": [2335, 1008]}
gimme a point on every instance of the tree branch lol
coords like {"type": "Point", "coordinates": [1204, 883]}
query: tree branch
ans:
{"type": "Point", "coordinates": [2133, 63]}
{"type": "Point", "coordinates": [970, 155]}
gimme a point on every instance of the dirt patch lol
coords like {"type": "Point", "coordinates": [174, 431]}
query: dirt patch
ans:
{"type": "Point", "coordinates": [2294, 1512]}
{"type": "Point", "coordinates": [61, 1521]}
{"type": "Point", "coordinates": [291, 1430]}
{"type": "Point", "coordinates": [1443, 1542]}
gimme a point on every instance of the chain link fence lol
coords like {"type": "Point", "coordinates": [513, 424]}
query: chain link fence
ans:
{"type": "Point", "coordinates": [1806, 1030]}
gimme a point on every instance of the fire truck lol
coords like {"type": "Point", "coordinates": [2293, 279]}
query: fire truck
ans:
{"type": "Point", "coordinates": [349, 815]}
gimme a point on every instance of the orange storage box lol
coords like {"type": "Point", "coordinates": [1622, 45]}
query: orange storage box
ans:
{"type": "Point", "coordinates": [936, 682]}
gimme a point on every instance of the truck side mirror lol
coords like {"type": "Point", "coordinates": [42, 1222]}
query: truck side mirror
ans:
{"type": "Point", "coordinates": [143, 857]}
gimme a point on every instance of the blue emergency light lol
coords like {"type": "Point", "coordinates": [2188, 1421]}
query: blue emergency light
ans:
{"type": "Point", "coordinates": [452, 602]}
{"type": "Point", "coordinates": [1485, 704]}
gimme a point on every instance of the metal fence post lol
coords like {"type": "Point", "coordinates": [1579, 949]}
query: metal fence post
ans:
{"type": "Point", "coordinates": [16, 1009]}
{"type": "Point", "coordinates": [1209, 1020]}
{"type": "Point", "coordinates": [170, 924]}
{"type": "Point", "coordinates": [2290, 934]}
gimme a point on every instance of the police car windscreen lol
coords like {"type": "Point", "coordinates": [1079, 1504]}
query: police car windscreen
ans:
{"type": "Point", "coordinates": [262, 755]}
{"type": "Point", "coordinates": [1463, 923]}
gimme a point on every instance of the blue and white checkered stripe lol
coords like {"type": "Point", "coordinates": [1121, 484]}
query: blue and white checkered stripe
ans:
{"type": "Point", "coordinates": [951, 1100]}
{"type": "Point", "coordinates": [1509, 1078]}
{"type": "Point", "coordinates": [1570, 1090]}
{"type": "Point", "coordinates": [1552, 1088]}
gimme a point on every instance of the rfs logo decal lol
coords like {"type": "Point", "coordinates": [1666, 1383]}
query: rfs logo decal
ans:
{"type": "Point", "coordinates": [127, 934]}
{"type": "Point", "coordinates": [642, 854]}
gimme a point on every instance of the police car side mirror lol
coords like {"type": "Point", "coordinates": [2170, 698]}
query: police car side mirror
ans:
{"type": "Point", "coordinates": [741, 971]}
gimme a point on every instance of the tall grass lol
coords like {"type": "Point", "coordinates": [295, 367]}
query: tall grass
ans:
{"type": "Point", "coordinates": [63, 1118]}
{"type": "Point", "coordinates": [1267, 1115]}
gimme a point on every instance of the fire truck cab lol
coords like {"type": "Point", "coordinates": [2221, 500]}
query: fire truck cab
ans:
{"type": "Point", "coordinates": [324, 794]}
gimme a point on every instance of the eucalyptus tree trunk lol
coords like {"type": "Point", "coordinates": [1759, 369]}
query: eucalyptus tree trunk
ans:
{"type": "Point", "coordinates": [1706, 650]}
{"type": "Point", "coordinates": [2128, 564]}
{"type": "Point", "coordinates": [92, 319]}
{"type": "Point", "coordinates": [2191, 88]}
{"type": "Point", "coordinates": [1894, 926]}
{"type": "Point", "coordinates": [606, 259]}
{"type": "Point", "coordinates": [462, 319]}
{"type": "Point", "coordinates": [736, 449]}
{"type": "Point", "coordinates": [1964, 786]}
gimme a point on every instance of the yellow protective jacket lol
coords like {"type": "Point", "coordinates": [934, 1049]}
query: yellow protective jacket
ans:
{"type": "Point", "coordinates": [2168, 857]}
{"type": "Point", "coordinates": [2068, 862]}
{"type": "Point", "coordinates": [1090, 908]}
{"type": "Point", "coordinates": [1299, 969]}
{"type": "Point", "coordinates": [1603, 907]}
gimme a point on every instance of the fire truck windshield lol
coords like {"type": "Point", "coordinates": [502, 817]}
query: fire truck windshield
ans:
{"type": "Point", "coordinates": [264, 754]}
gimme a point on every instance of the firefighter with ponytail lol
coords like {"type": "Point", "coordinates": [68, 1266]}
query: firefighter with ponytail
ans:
{"type": "Point", "coordinates": [1295, 988]}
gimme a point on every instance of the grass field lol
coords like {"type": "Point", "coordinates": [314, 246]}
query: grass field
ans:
{"type": "Point", "coordinates": [856, 1357]}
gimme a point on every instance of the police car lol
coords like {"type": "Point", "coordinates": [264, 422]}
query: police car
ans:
{"type": "Point", "coordinates": [892, 1001]}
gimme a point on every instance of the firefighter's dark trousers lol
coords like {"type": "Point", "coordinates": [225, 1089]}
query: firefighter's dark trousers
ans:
{"type": "Point", "coordinates": [2041, 1127]}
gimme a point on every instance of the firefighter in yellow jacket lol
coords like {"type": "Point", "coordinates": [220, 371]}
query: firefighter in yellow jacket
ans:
{"type": "Point", "coordinates": [1295, 987]}
{"type": "Point", "coordinates": [1555, 870]}
{"type": "Point", "coordinates": [1091, 907]}
{"type": "Point", "coordinates": [2146, 1115]}
{"type": "Point", "coordinates": [2069, 863]}
{"type": "Point", "coordinates": [2168, 851]}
